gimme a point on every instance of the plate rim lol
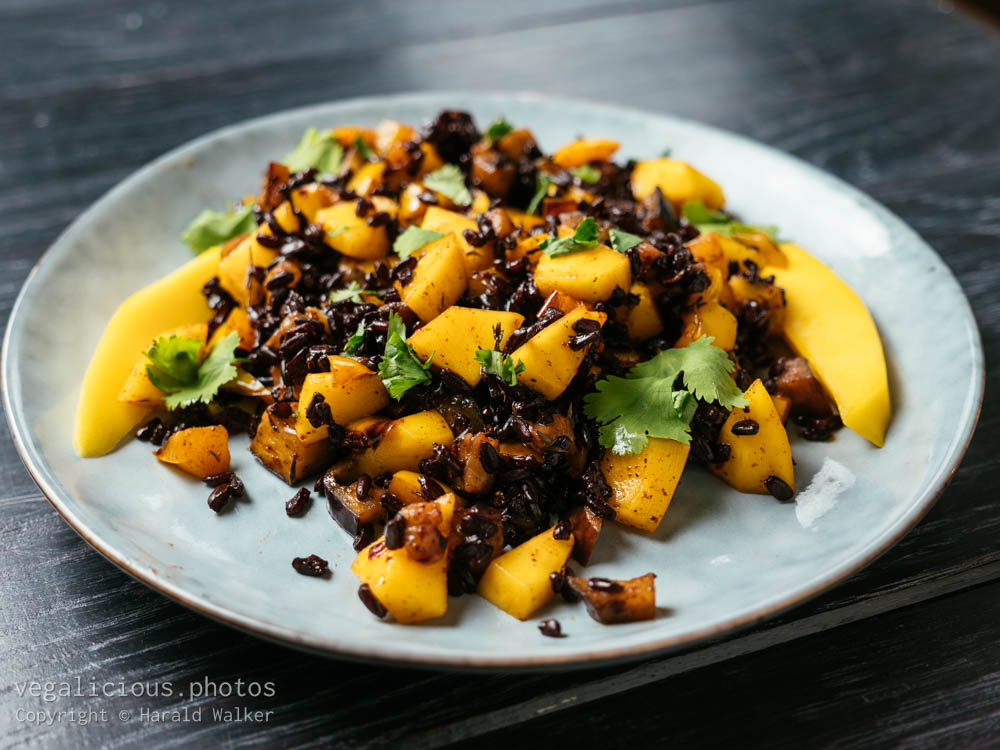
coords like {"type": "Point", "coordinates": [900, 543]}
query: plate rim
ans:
{"type": "Point", "coordinates": [594, 657]}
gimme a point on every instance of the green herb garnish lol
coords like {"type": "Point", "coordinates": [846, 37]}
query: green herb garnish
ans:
{"type": "Point", "coordinates": [401, 368]}
{"type": "Point", "coordinates": [584, 238]}
{"type": "Point", "coordinates": [352, 292]}
{"type": "Point", "coordinates": [450, 182]}
{"type": "Point", "coordinates": [646, 404]}
{"type": "Point", "coordinates": [211, 228]}
{"type": "Point", "coordinates": [498, 130]}
{"type": "Point", "coordinates": [413, 239]}
{"type": "Point", "coordinates": [355, 340]}
{"type": "Point", "coordinates": [175, 369]}
{"type": "Point", "coordinates": [542, 183]}
{"type": "Point", "coordinates": [316, 149]}
{"type": "Point", "coordinates": [706, 219]}
{"type": "Point", "coordinates": [366, 153]}
{"type": "Point", "coordinates": [586, 173]}
{"type": "Point", "coordinates": [622, 241]}
{"type": "Point", "coordinates": [495, 363]}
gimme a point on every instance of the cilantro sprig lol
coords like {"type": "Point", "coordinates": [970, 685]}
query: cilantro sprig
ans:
{"type": "Point", "coordinates": [586, 173]}
{"type": "Point", "coordinates": [352, 292]}
{"type": "Point", "coordinates": [366, 153]}
{"type": "Point", "coordinates": [175, 369]}
{"type": "Point", "coordinates": [706, 219]}
{"type": "Point", "coordinates": [498, 130]}
{"type": "Point", "coordinates": [646, 403]}
{"type": "Point", "coordinates": [355, 340]}
{"type": "Point", "coordinates": [401, 368]}
{"type": "Point", "coordinates": [210, 228]}
{"type": "Point", "coordinates": [622, 241]}
{"type": "Point", "coordinates": [450, 182]}
{"type": "Point", "coordinates": [413, 239]}
{"type": "Point", "coordinates": [542, 183]}
{"type": "Point", "coordinates": [584, 238]}
{"type": "Point", "coordinates": [495, 363]}
{"type": "Point", "coordinates": [316, 149]}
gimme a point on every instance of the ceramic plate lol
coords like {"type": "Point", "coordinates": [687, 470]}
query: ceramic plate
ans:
{"type": "Point", "coordinates": [723, 560]}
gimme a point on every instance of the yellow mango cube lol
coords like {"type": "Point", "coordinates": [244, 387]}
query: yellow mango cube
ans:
{"type": "Point", "coordinates": [410, 591]}
{"type": "Point", "coordinates": [439, 279]}
{"type": "Point", "coordinates": [549, 362]}
{"type": "Point", "coordinates": [234, 271]}
{"type": "Point", "coordinates": [442, 220]}
{"type": "Point", "coordinates": [350, 234]}
{"type": "Point", "coordinates": [351, 390]}
{"type": "Point", "coordinates": [588, 275]}
{"type": "Point", "coordinates": [367, 178]}
{"type": "Point", "coordinates": [101, 419]}
{"type": "Point", "coordinates": [518, 580]}
{"type": "Point", "coordinates": [709, 319]}
{"type": "Point", "coordinates": [584, 151]}
{"type": "Point", "coordinates": [754, 458]}
{"type": "Point", "coordinates": [643, 320]}
{"type": "Point", "coordinates": [643, 484]}
{"type": "Point", "coordinates": [454, 336]}
{"type": "Point", "coordinates": [679, 181]}
{"type": "Point", "coordinates": [406, 486]}
{"type": "Point", "coordinates": [404, 443]}
{"type": "Point", "coordinates": [829, 325]}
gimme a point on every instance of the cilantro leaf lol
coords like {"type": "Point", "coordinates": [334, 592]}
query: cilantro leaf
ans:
{"type": "Point", "coordinates": [586, 173]}
{"type": "Point", "coordinates": [584, 238]}
{"type": "Point", "coordinates": [352, 292]}
{"type": "Point", "coordinates": [401, 368]}
{"type": "Point", "coordinates": [175, 370]}
{"type": "Point", "coordinates": [706, 220]}
{"type": "Point", "coordinates": [498, 130]}
{"type": "Point", "coordinates": [210, 228]}
{"type": "Point", "coordinates": [355, 340]}
{"type": "Point", "coordinates": [495, 363]}
{"type": "Point", "coordinates": [542, 183]}
{"type": "Point", "coordinates": [366, 153]}
{"type": "Point", "coordinates": [645, 403]}
{"type": "Point", "coordinates": [316, 149]}
{"type": "Point", "coordinates": [413, 239]}
{"type": "Point", "coordinates": [449, 181]}
{"type": "Point", "coordinates": [622, 241]}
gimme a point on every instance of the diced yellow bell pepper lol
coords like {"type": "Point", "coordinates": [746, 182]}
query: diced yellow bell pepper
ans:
{"type": "Point", "coordinates": [439, 279]}
{"type": "Point", "coordinates": [679, 181]}
{"type": "Point", "coordinates": [518, 580]}
{"type": "Point", "coordinates": [405, 442]}
{"type": "Point", "coordinates": [351, 390]}
{"type": "Point", "coordinates": [829, 325]}
{"type": "Point", "coordinates": [588, 275]}
{"type": "Point", "coordinates": [643, 484]}
{"type": "Point", "coordinates": [101, 419]}
{"type": "Point", "coordinates": [454, 336]}
{"type": "Point", "coordinates": [549, 362]}
{"type": "Point", "coordinates": [754, 458]}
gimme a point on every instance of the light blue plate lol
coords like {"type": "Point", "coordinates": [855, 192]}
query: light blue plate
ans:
{"type": "Point", "coordinates": [723, 560]}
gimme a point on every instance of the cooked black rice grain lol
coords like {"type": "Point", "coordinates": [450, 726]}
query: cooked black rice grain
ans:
{"type": "Point", "coordinates": [314, 565]}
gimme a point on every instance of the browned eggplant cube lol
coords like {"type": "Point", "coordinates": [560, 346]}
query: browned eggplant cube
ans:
{"type": "Point", "coordinates": [586, 527]}
{"type": "Point", "coordinates": [277, 446]}
{"type": "Point", "coordinates": [611, 602]}
{"type": "Point", "coordinates": [352, 505]}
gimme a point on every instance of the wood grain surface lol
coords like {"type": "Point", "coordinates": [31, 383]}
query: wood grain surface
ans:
{"type": "Point", "coordinates": [898, 98]}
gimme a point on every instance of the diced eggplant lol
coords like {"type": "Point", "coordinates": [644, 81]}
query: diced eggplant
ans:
{"type": "Point", "coordinates": [586, 528]}
{"type": "Point", "coordinates": [278, 447]}
{"type": "Point", "coordinates": [611, 602]}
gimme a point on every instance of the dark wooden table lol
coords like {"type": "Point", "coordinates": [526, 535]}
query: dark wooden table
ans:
{"type": "Point", "coordinates": [898, 98]}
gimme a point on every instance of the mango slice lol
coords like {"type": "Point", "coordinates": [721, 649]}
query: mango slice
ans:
{"type": "Point", "coordinates": [829, 325]}
{"type": "Point", "coordinates": [404, 443]}
{"type": "Point", "coordinates": [643, 484]}
{"type": "Point", "coordinates": [518, 581]}
{"type": "Point", "coordinates": [200, 451]}
{"type": "Point", "coordinates": [550, 364]}
{"type": "Point", "coordinates": [439, 279]}
{"type": "Point", "coordinates": [175, 300]}
{"type": "Point", "coordinates": [442, 220]}
{"type": "Point", "coordinates": [755, 457]}
{"type": "Point", "coordinates": [454, 336]}
{"type": "Point", "coordinates": [350, 389]}
{"type": "Point", "coordinates": [584, 151]}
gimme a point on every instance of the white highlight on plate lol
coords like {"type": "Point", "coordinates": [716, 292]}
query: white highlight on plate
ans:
{"type": "Point", "coordinates": [720, 560]}
{"type": "Point", "coordinates": [816, 500]}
